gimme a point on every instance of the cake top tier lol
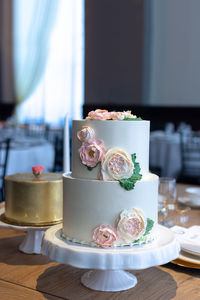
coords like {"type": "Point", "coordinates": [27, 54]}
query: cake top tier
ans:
{"type": "Point", "coordinates": [101, 145]}
{"type": "Point", "coordinates": [29, 177]}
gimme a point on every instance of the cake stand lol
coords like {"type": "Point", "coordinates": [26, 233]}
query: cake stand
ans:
{"type": "Point", "coordinates": [33, 239]}
{"type": "Point", "coordinates": [108, 264]}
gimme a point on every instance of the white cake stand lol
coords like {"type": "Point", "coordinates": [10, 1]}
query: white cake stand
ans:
{"type": "Point", "coordinates": [33, 239]}
{"type": "Point", "coordinates": [108, 264]}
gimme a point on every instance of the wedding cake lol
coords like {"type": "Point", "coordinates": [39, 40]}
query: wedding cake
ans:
{"type": "Point", "coordinates": [110, 198]}
{"type": "Point", "coordinates": [34, 199]}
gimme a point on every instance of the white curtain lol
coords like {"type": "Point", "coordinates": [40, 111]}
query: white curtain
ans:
{"type": "Point", "coordinates": [58, 89]}
{"type": "Point", "coordinates": [33, 22]}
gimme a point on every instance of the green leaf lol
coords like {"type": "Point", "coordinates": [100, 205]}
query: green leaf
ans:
{"type": "Point", "coordinates": [133, 156]}
{"type": "Point", "coordinates": [129, 183]}
{"type": "Point", "coordinates": [133, 119]}
{"type": "Point", "coordinates": [139, 240]}
{"type": "Point", "coordinates": [149, 226]}
{"type": "Point", "coordinates": [90, 168]}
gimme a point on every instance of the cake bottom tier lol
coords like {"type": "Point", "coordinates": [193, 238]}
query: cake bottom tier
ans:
{"type": "Point", "coordinates": [104, 214]}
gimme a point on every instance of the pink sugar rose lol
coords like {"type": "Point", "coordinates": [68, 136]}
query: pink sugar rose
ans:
{"type": "Point", "coordinates": [92, 153]}
{"type": "Point", "coordinates": [86, 134]}
{"type": "Point", "coordinates": [37, 170]}
{"type": "Point", "coordinates": [105, 235]}
{"type": "Point", "coordinates": [99, 114]}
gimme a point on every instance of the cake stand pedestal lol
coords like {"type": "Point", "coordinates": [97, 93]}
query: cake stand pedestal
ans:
{"type": "Point", "coordinates": [33, 239]}
{"type": "Point", "coordinates": [108, 264]}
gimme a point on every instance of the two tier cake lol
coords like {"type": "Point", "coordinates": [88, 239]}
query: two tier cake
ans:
{"type": "Point", "coordinates": [110, 198]}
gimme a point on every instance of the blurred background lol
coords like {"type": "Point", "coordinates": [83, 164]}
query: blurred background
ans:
{"type": "Point", "coordinates": [59, 59]}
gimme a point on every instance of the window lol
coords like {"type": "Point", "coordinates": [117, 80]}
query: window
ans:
{"type": "Point", "coordinates": [60, 89]}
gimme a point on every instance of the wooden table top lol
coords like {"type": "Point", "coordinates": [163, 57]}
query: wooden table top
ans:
{"type": "Point", "coordinates": [27, 277]}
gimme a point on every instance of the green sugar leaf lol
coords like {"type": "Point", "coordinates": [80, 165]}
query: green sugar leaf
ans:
{"type": "Point", "coordinates": [133, 119]}
{"type": "Point", "coordinates": [139, 240]}
{"type": "Point", "coordinates": [90, 168]}
{"type": "Point", "coordinates": [150, 224]}
{"type": "Point", "coordinates": [129, 183]}
{"type": "Point", "coordinates": [133, 156]}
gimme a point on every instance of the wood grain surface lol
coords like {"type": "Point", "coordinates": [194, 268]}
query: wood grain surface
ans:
{"type": "Point", "coordinates": [25, 276]}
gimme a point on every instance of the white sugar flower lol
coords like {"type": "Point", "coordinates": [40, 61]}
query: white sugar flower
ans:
{"type": "Point", "coordinates": [128, 114]}
{"type": "Point", "coordinates": [131, 225]}
{"type": "Point", "coordinates": [118, 115]}
{"type": "Point", "coordinates": [116, 164]}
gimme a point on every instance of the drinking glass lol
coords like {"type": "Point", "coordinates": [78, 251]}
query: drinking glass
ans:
{"type": "Point", "coordinates": [177, 215]}
{"type": "Point", "coordinates": [166, 197]}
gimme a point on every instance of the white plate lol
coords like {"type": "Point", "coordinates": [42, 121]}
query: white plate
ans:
{"type": "Point", "coordinates": [189, 201]}
{"type": "Point", "coordinates": [188, 239]}
{"type": "Point", "coordinates": [193, 191]}
{"type": "Point", "coordinates": [191, 251]}
{"type": "Point", "coordinates": [187, 260]}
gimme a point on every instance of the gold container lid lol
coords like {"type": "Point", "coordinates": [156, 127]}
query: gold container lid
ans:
{"type": "Point", "coordinates": [29, 177]}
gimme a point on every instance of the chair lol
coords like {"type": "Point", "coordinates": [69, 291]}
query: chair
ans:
{"type": "Point", "coordinates": [4, 150]}
{"type": "Point", "coordinates": [58, 156]}
{"type": "Point", "coordinates": [155, 170]}
{"type": "Point", "coordinates": [190, 154]}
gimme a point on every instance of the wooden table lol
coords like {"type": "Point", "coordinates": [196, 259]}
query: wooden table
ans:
{"type": "Point", "coordinates": [27, 277]}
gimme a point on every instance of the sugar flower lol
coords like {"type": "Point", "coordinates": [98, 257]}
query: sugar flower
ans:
{"type": "Point", "coordinates": [131, 225]}
{"type": "Point", "coordinates": [86, 134]}
{"type": "Point", "coordinates": [99, 114]}
{"type": "Point", "coordinates": [37, 170]}
{"type": "Point", "coordinates": [128, 114]}
{"type": "Point", "coordinates": [116, 164]}
{"type": "Point", "coordinates": [105, 236]}
{"type": "Point", "coordinates": [118, 115]}
{"type": "Point", "coordinates": [92, 153]}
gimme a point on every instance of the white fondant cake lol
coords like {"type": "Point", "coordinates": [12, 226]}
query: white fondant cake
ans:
{"type": "Point", "coordinates": [132, 136]}
{"type": "Point", "coordinates": [110, 199]}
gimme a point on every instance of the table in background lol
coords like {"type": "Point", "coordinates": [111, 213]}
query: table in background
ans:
{"type": "Point", "coordinates": [165, 153]}
{"type": "Point", "coordinates": [26, 152]}
{"type": "Point", "coordinates": [25, 276]}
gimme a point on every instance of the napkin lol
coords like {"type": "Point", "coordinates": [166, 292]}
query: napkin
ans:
{"type": "Point", "coordinates": [189, 238]}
